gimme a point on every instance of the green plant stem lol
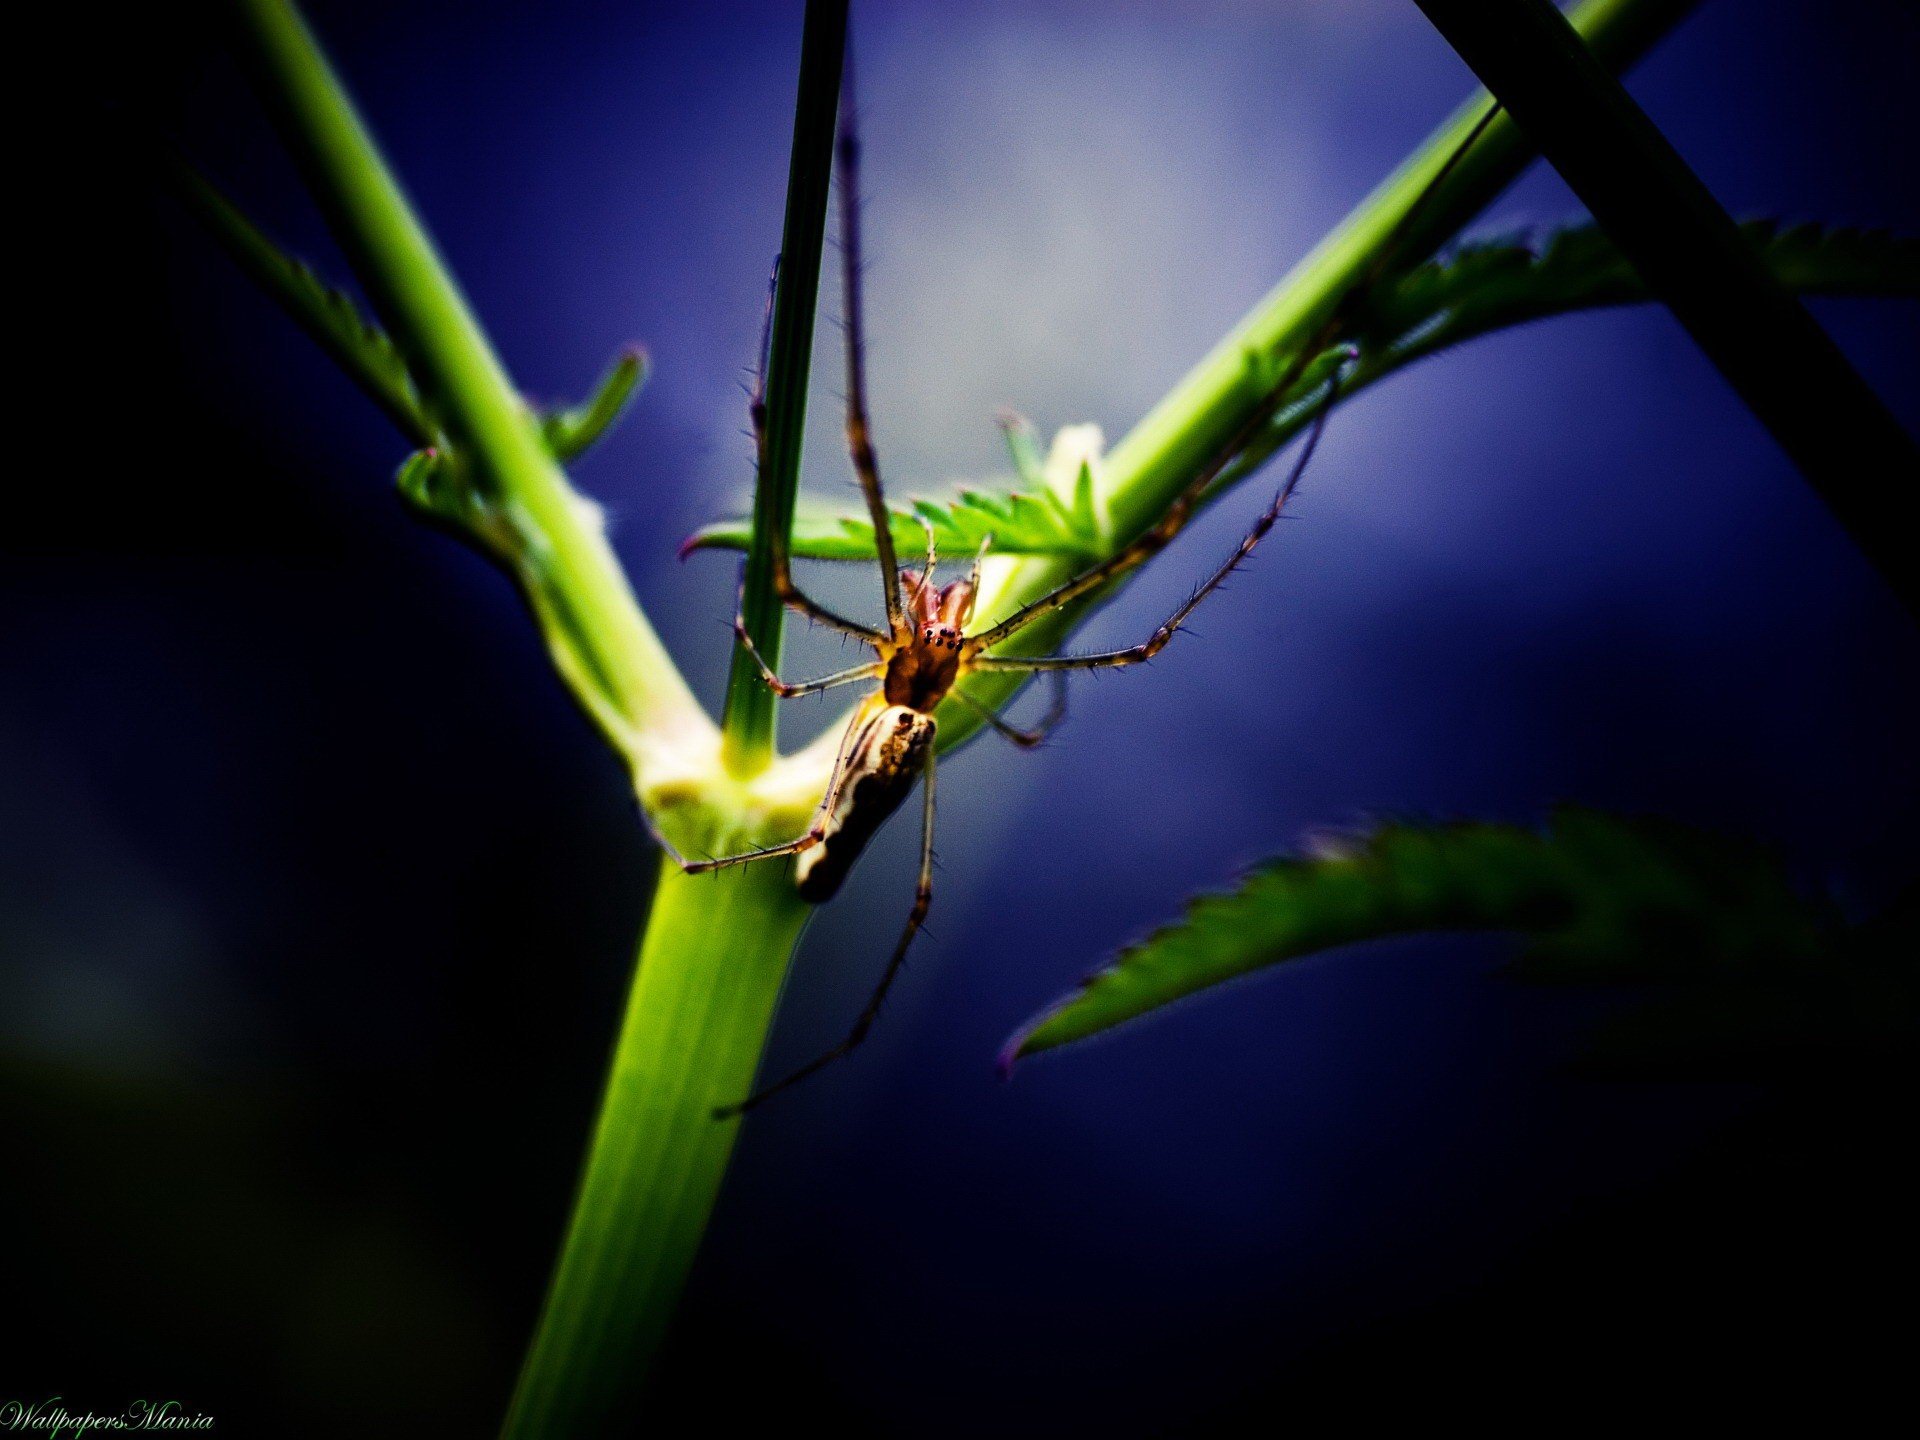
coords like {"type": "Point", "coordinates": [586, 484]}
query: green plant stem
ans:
{"type": "Point", "coordinates": [1694, 258]}
{"type": "Point", "coordinates": [464, 385]}
{"type": "Point", "coordinates": [710, 972]}
{"type": "Point", "coordinates": [749, 723]}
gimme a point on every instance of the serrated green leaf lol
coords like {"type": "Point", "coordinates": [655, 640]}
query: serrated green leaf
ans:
{"type": "Point", "coordinates": [570, 431]}
{"type": "Point", "coordinates": [1018, 523]}
{"type": "Point", "coordinates": [330, 316]}
{"type": "Point", "coordinates": [1489, 285]}
{"type": "Point", "coordinates": [1600, 898]}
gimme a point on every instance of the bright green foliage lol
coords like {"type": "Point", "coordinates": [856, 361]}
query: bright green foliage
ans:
{"type": "Point", "coordinates": [1021, 517]}
{"type": "Point", "coordinates": [1031, 523]}
{"type": "Point", "coordinates": [1473, 290]}
{"type": "Point", "coordinates": [1598, 898]}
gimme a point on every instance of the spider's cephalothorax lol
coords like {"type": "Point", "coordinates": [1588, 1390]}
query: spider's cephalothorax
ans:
{"type": "Point", "coordinates": [922, 667]}
{"type": "Point", "coordinates": [924, 653]}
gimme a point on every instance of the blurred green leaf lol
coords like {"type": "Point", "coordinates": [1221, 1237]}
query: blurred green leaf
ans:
{"type": "Point", "coordinates": [364, 350]}
{"type": "Point", "coordinates": [570, 431]}
{"type": "Point", "coordinates": [1599, 898]}
{"type": "Point", "coordinates": [1490, 285]}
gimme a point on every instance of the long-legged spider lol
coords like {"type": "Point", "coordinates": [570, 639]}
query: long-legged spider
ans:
{"type": "Point", "coordinates": [925, 650]}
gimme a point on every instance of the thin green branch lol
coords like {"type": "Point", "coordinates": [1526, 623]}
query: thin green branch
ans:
{"type": "Point", "coordinates": [573, 430]}
{"type": "Point", "coordinates": [1692, 255]}
{"type": "Point", "coordinates": [601, 637]}
{"type": "Point", "coordinates": [748, 725]}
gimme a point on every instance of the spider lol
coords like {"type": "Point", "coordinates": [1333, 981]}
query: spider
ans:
{"type": "Point", "coordinates": [926, 647]}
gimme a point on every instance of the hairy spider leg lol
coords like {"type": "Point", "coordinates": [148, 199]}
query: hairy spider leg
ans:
{"type": "Point", "coordinates": [979, 559]}
{"type": "Point", "coordinates": [1156, 539]}
{"type": "Point", "coordinates": [786, 690]}
{"type": "Point", "coordinates": [1025, 739]}
{"type": "Point", "coordinates": [866, 463]}
{"type": "Point", "coordinates": [784, 585]}
{"type": "Point", "coordinates": [916, 918]}
{"type": "Point", "coordinates": [1150, 543]}
{"type": "Point", "coordinates": [816, 832]}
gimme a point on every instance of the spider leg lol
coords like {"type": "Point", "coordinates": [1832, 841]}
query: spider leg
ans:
{"type": "Point", "coordinates": [973, 582]}
{"type": "Point", "coordinates": [1136, 654]}
{"type": "Point", "coordinates": [1156, 539]}
{"type": "Point", "coordinates": [922, 899]}
{"type": "Point", "coordinates": [1025, 739]}
{"type": "Point", "coordinates": [785, 690]}
{"type": "Point", "coordinates": [769, 852]}
{"type": "Point", "coordinates": [790, 593]}
{"type": "Point", "coordinates": [926, 573]}
{"type": "Point", "coordinates": [866, 464]}
{"type": "Point", "coordinates": [816, 832]}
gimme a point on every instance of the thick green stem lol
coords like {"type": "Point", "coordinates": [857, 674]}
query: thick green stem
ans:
{"type": "Point", "coordinates": [710, 972]}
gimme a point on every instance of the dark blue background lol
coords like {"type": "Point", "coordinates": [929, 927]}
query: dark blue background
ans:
{"type": "Point", "coordinates": [317, 896]}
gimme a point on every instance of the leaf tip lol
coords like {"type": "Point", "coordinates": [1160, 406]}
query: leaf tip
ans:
{"type": "Point", "coordinates": [1009, 1055]}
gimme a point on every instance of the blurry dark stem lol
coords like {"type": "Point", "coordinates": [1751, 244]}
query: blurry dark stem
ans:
{"type": "Point", "coordinates": [1694, 258]}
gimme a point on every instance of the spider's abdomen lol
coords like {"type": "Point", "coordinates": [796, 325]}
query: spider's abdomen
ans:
{"type": "Point", "coordinates": [884, 754]}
